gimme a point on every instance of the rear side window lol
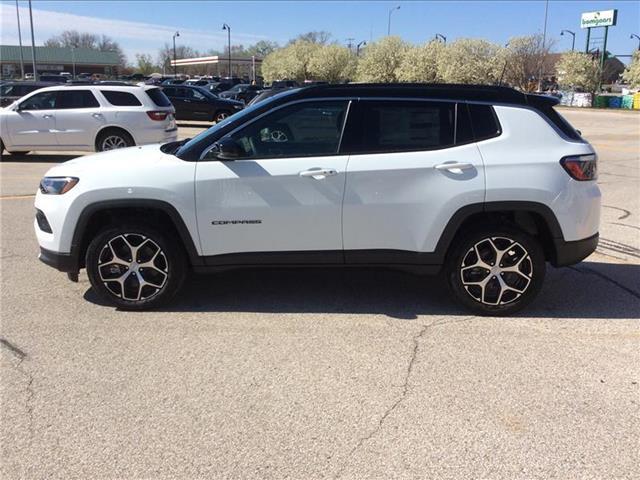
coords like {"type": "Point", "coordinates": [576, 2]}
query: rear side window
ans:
{"type": "Point", "coordinates": [560, 122]}
{"type": "Point", "coordinates": [483, 122]}
{"type": "Point", "coordinates": [404, 126]}
{"type": "Point", "coordinates": [158, 97]}
{"type": "Point", "coordinates": [76, 99]}
{"type": "Point", "coordinates": [121, 99]}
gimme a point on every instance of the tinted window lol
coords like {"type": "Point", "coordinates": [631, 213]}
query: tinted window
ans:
{"type": "Point", "coordinates": [121, 99]}
{"type": "Point", "coordinates": [560, 122]}
{"type": "Point", "coordinates": [158, 97]}
{"type": "Point", "coordinates": [40, 101]}
{"type": "Point", "coordinates": [76, 99]}
{"type": "Point", "coordinates": [301, 130]}
{"type": "Point", "coordinates": [405, 126]}
{"type": "Point", "coordinates": [170, 91]}
{"type": "Point", "coordinates": [464, 130]}
{"type": "Point", "coordinates": [484, 122]}
{"type": "Point", "coordinates": [195, 94]}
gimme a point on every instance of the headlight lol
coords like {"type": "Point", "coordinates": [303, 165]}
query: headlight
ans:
{"type": "Point", "coordinates": [57, 185]}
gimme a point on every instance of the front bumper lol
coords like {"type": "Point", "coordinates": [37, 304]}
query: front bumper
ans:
{"type": "Point", "coordinates": [569, 253]}
{"type": "Point", "coordinates": [64, 262]}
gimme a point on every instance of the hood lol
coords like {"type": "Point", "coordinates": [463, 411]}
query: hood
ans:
{"type": "Point", "coordinates": [105, 163]}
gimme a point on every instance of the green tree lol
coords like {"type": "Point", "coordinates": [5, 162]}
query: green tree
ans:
{"type": "Point", "coordinates": [631, 74]}
{"type": "Point", "coordinates": [262, 48]}
{"type": "Point", "coordinates": [578, 70]}
{"type": "Point", "coordinates": [470, 61]}
{"type": "Point", "coordinates": [381, 60]}
{"type": "Point", "coordinates": [332, 63]}
{"type": "Point", "coordinates": [420, 63]}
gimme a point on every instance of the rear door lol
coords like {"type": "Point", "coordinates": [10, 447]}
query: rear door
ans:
{"type": "Point", "coordinates": [78, 118]}
{"type": "Point", "coordinates": [199, 105]}
{"type": "Point", "coordinates": [281, 202]}
{"type": "Point", "coordinates": [32, 124]}
{"type": "Point", "coordinates": [176, 95]}
{"type": "Point", "coordinates": [410, 169]}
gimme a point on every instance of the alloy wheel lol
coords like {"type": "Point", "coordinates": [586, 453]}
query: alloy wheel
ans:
{"type": "Point", "coordinates": [113, 142]}
{"type": "Point", "coordinates": [133, 267]}
{"type": "Point", "coordinates": [496, 271]}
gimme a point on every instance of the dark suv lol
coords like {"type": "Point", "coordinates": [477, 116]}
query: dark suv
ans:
{"type": "Point", "coordinates": [196, 103]}
{"type": "Point", "coordinates": [12, 91]}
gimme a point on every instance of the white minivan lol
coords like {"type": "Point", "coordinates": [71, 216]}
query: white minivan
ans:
{"type": "Point", "coordinates": [88, 118]}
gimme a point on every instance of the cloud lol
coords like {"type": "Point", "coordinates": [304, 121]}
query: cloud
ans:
{"type": "Point", "coordinates": [133, 37]}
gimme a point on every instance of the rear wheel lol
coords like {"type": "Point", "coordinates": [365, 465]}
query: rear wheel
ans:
{"type": "Point", "coordinates": [495, 271]}
{"type": "Point", "coordinates": [221, 115]}
{"type": "Point", "coordinates": [135, 267]}
{"type": "Point", "coordinates": [113, 139]}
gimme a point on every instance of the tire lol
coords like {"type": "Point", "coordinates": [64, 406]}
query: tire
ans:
{"type": "Point", "coordinates": [495, 270]}
{"type": "Point", "coordinates": [221, 115]}
{"type": "Point", "coordinates": [160, 261]}
{"type": "Point", "coordinates": [112, 139]}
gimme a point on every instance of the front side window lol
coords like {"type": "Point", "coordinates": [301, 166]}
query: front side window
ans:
{"type": "Point", "coordinates": [40, 101]}
{"type": "Point", "coordinates": [195, 94]}
{"type": "Point", "coordinates": [300, 130]}
{"type": "Point", "coordinates": [396, 126]}
{"type": "Point", "coordinates": [71, 99]}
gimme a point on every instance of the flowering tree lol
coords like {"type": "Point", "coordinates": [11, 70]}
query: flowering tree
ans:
{"type": "Point", "coordinates": [381, 60]}
{"type": "Point", "coordinates": [420, 63]}
{"type": "Point", "coordinates": [524, 59]}
{"type": "Point", "coordinates": [631, 74]}
{"type": "Point", "coordinates": [291, 62]}
{"type": "Point", "coordinates": [579, 71]}
{"type": "Point", "coordinates": [332, 63]}
{"type": "Point", "coordinates": [470, 61]}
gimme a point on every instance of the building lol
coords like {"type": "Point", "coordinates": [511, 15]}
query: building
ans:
{"type": "Point", "coordinates": [53, 60]}
{"type": "Point", "coordinates": [242, 67]}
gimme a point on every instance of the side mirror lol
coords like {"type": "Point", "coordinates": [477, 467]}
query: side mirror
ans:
{"type": "Point", "coordinates": [228, 150]}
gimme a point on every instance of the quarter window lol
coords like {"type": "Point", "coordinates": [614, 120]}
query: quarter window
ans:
{"type": "Point", "coordinates": [405, 126]}
{"type": "Point", "coordinates": [76, 99]}
{"type": "Point", "coordinates": [300, 130]}
{"type": "Point", "coordinates": [121, 99]}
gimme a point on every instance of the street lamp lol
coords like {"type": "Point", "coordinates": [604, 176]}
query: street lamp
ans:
{"type": "Point", "coordinates": [636, 36]}
{"type": "Point", "coordinates": [228, 29]}
{"type": "Point", "coordinates": [439, 36]}
{"type": "Point", "coordinates": [361, 44]}
{"type": "Point", "coordinates": [175, 67]}
{"type": "Point", "coordinates": [389, 23]}
{"type": "Point", "coordinates": [573, 38]}
{"type": "Point", "coordinates": [73, 61]}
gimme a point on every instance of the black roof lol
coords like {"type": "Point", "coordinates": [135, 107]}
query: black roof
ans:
{"type": "Point", "coordinates": [484, 93]}
{"type": "Point", "coordinates": [31, 83]}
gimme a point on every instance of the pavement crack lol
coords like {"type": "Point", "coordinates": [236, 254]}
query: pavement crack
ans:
{"type": "Point", "coordinates": [21, 356]}
{"type": "Point", "coordinates": [607, 278]}
{"type": "Point", "coordinates": [403, 394]}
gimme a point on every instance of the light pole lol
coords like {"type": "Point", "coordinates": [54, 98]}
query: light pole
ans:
{"type": "Point", "coordinates": [175, 67]}
{"type": "Point", "coordinates": [636, 36]}
{"type": "Point", "coordinates": [73, 61]}
{"type": "Point", "coordinates": [20, 43]}
{"type": "Point", "coordinates": [228, 29]}
{"type": "Point", "coordinates": [360, 45]}
{"type": "Point", "coordinates": [439, 36]}
{"type": "Point", "coordinates": [33, 45]}
{"type": "Point", "coordinates": [389, 22]}
{"type": "Point", "coordinates": [544, 43]}
{"type": "Point", "coordinates": [573, 38]}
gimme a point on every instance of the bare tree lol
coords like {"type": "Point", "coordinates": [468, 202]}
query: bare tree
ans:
{"type": "Point", "coordinates": [524, 58]}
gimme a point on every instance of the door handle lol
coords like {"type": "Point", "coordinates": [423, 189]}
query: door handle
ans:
{"type": "Point", "coordinates": [47, 115]}
{"type": "Point", "coordinates": [319, 173]}
{"type": "Point", "coordinates": [96, 115]}
{"type": "Point", "coordinates": [454, 167]}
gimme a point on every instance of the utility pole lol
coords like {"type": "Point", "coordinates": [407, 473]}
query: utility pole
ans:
{"type": "Point", "coordinates": [33, 45]}
{"type": "Point", "coordinates": [350, 44]}
{"type": "Point", "coordinates": [20, 43]}
{"type": "Point", "coordinates": [544, 43]}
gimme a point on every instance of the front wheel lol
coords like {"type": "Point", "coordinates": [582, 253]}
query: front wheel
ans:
{"type": "Point", "coordinates": [495, 271]}
{"type": "Point", "coordinates": [221, 115]}
{"type": "Point", "coordinates": [135, 267]}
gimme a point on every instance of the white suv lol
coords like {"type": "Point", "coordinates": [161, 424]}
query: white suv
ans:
{"type": "Point", "coordinates": [485, 184]}
{"type": "Point", "coordinates": [87, 117]}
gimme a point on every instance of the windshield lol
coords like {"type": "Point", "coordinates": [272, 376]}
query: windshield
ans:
{"type": "Point", "coordinates": [238, 116]}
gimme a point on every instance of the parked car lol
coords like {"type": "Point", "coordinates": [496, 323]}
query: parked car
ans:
{"type": "Point", "coordinates": [285, 84]}
{"type": "Point", "coordinates": [242, 92]}
{"type": "Point", "coordinates": [484, 183]}
{"type": "Point", "coordinates": [12, 91]}
{"type": "Point", "coordinates": [91, 118]}
{"type": "Point", "coordinates": [198, 82]}
{"type": "Point", "coordinates": [53, 78]}
{"type": "Point", "coordinates": [218, 87]}
{"type": "Point", "coordinates": [268, 93]}
{"type": "Point", "coordinates": [197, 103]}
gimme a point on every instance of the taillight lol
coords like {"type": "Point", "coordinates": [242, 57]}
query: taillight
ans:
{"type": "Point", "coordinates": [581, 167]}
{"type": "Point", "coordinates": [157, 115]}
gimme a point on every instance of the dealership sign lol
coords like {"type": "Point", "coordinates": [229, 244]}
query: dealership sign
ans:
{"type": "Point", "coordinates": [604, 18]}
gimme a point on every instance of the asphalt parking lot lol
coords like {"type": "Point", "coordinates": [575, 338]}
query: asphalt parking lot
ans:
{"type": "Point", "coordinates": [326, 374]}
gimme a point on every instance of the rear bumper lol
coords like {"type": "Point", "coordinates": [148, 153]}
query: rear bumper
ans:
{"type": "Point", "coordinates": [569, 253]}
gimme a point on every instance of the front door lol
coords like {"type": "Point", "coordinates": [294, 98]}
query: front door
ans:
{"type": "Point", "coordinates": [410, 170]}
{"type": "Point", "coordinates": [32, 124]}
{"type": "Point", "coordinates": [281, 201]}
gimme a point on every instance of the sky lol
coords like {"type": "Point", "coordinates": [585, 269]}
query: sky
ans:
{"type": "Point", "coordinates": [144, 26]}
